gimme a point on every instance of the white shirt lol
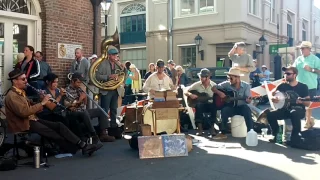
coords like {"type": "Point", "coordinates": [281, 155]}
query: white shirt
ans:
{"type": "Point", "coordinates": [153, 82]}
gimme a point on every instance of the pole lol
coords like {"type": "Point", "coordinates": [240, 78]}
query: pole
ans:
{"type": "Point", "coordinates": [95, 5]}
{"type": "Point", "coordinates": [170, 30]}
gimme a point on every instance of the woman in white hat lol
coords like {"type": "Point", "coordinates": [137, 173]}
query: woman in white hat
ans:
{"type": "Point", "coordinates": [136, 85]}
{"type": "Point", "coordinates": [265, 75]}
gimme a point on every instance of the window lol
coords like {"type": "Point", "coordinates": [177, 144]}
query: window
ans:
{"type": "Point", "coordinates": [254, 7]}
{"type": "Point", "coordinates": [136, 57]}
{"type": "Point", "coordinates": [273, 11]}
{"type": "Point", "coordinates": [289, 27]}
{"type": "Point", "coordinates": [304, 30]}
{"type": "Point", "coordinates": [133, 23]}
{"type": "Point", "coordinates": [18, 6]}
{"type": "Point", "coordinates": [188, 56]}
{"type": "Point", "coordinates": [189, 7]}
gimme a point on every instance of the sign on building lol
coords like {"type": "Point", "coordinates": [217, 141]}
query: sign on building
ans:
{"type": "Point", "coordinates": [66, 51]}
{"type": "Point", "coordinates": [273, 49]}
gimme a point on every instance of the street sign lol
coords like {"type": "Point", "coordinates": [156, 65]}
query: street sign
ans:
{"type": "Point", "coordinates": [273, 48]}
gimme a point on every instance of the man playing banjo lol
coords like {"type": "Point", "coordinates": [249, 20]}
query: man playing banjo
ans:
{"type": "Point", "coordinates": [296, 111]}
{"type": "Point", "coordinates": [242, 89]}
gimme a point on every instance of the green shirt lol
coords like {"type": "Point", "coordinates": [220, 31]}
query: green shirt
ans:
{"type": "Point", "coordinates": [304, 76]}
{"type": "Point", "coordinates": [129, 80]}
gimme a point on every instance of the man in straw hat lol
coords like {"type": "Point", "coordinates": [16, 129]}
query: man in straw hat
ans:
{"type": "Point", "coordinates": [243, 90]}
{"type": "Point", "coordinates": [204, 85]}
{"type": "Point", "coordinates": [21, 116]}
{"type": "Point", "coordinates": [241, 60]}
{"type": "Point", "coordinates": [296, 111]}
{"type": "Point", "coordinates": [308, 66]}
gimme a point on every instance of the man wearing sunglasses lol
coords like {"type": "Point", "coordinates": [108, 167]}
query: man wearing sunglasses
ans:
{"type": "Point", "coordinates": [204, 85]}
{"type": "Point", "coordinates": [296, 111]}
{"type": "Point", "coordinates": [308, 66]}
{"type": "Point", "coordinates": [243, 90]}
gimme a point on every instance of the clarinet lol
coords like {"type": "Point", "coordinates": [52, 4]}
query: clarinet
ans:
{"type": "Point", "coordinates": [40, 92]}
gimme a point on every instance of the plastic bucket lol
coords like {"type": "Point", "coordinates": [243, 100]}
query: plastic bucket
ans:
{"type": "Point", "coordinates": [238, 126]}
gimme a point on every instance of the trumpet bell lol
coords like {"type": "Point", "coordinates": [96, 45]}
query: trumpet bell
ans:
{"type": "Point", "coordinates": [258, 115]}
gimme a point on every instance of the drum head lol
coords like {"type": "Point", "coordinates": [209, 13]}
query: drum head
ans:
{"type": "Point", "coordinates": [282, 100]}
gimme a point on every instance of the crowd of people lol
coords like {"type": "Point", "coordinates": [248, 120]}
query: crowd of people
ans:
{"type": "Point", "coordinates": [72, 130]}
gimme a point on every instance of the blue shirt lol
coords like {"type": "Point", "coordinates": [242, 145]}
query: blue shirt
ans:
{"type": "Point", "coordinates": [244, 90]}
{"type": "Point", "coordinates": [267, 74]}
{"type": "Point", "coordinates": [255, 71]}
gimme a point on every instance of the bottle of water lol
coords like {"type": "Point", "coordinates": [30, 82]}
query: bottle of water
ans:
{"type": "Point", "coordinates": [252, 138]}
{"type": "Point", "coordinates": [36, 157]}
{"type": "Point", "coordinates": [279, 135]}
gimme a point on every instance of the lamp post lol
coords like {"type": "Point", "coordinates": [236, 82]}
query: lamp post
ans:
{"type": "Point", "coordinates": [106, 8]}
{"type": "Point", "coordinates": [198, 40]}
{"type": "Point", "coordinates": [262, 43]}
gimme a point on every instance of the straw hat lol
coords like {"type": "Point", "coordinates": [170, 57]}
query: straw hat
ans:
{"type": "Point", "coordinates": [234, 72]}
{"type": "Point", "coordinates": [305, 44]}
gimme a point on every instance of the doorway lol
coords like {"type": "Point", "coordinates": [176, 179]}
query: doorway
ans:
{"type": "Point", "coordinates": [15, 34]}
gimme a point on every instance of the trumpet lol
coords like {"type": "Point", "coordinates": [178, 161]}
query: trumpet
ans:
{"type": "Point", "coordinates": [40, 92]}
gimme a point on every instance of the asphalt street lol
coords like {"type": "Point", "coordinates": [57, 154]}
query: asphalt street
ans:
{"type": "Point", "coordinates": [209, 160]}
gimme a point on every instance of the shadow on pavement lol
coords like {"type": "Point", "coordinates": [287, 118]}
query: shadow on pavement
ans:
{"type": "Point", "coordinates": [117, 161]}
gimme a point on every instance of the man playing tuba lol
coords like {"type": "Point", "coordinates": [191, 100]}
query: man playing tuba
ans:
{"type": "Point", "coordinates": [107, 71]}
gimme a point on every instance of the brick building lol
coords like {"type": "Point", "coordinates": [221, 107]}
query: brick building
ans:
{"type": "Point", "coordinates": [53, 27]}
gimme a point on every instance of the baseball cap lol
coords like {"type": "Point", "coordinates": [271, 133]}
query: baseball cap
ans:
{"type": "Point", "coordinates": [160, 63]}
{"type": "Point", "coordinates": [293, 69]}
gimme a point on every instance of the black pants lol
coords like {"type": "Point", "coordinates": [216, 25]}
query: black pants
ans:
{"type": "Point", "coordinates": [205, 108]}
{"type": "Point", "coordinates": [57, 132]}
{"type": "Point", "coordinates": [102, 118]}
{"type": "Point", "coordinates": [79, 119]}
{"type": "Point", "coordinates": [242, 110]}
{"type": "Point", "coordinates": [127, 98]}
{"type": "Point", "coordinates": [110, 101]}
{"type": "Point", "coordinates": [295, 115]}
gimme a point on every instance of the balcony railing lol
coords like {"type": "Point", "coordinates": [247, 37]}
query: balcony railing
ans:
{"type": "Point", "coordinates": [132, 37]}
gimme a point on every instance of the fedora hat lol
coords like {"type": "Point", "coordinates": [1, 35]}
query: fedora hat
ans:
{"type": "Point", "coordinates": [305, 44]}
{"type": "Point", "coordinates": [204, 73]}
{"type": "Point", "coordinates": [234, 72]}
{"type": "Point", "coordinates": [15, 74]}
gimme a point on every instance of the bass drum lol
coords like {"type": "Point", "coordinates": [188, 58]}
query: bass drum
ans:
{"type": "Point", "coordinates": [169, 125]}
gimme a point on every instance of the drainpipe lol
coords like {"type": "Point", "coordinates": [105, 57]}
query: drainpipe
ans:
{"type": "Point", "coordinates": [96, 18]}
{"type": "Point", "coordinates": [170, 29]}
{"type": "Point", "coordinates": [298, 21]}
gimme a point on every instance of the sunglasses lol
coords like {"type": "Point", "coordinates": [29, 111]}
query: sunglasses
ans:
{"type": "Point", "coordinates": [288, 74]}
{"type": "Point", "coordinates": [22, 79]}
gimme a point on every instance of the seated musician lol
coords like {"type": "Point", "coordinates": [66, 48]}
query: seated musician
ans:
{"type": "Point", "coordinates": [243, 90]}
{"type": "Point", "coordinates": [71, 119]}
{"type": "Point", "coordinates": [204, 85]}
{"type": "Point", "coordinates": [77, 104]}
{"type": "Point", "coordinates": [296, 111]}
{"type": "Point", "coordinates": [20, 114]}
{"type": "Point", "coordinates": [157, 81]}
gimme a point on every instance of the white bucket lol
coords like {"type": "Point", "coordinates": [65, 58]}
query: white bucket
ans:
{"type": "Point", "coordinates": [238, 126]}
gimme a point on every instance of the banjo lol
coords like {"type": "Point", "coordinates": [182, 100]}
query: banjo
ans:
{"type": "Point", "coordinates": [289, 98]}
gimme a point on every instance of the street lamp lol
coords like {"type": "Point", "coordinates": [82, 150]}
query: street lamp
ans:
{"type": "Point", "coordinates": [198, 40]}
{"type": "Point", "coordinates": [262, 43]}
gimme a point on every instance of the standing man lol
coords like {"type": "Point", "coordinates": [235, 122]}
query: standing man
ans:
{"type": "Point", "coordinates": [174, 75]}
{"type": "Point", "coordinates": [308, 66]}
{"type": "Point", "coordinates": [106, 72]}
{"type": "Point", "coordinates": [45, 69]}
{"type": "Point", "coordinates": [81, 65]}
{"type": "Point", "coordinates": [241, 60]}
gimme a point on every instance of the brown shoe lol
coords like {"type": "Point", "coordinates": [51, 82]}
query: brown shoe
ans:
{"type": "Point", "coordinates": [107, 138]}
{"type": "Point", "coordinates": [220, 136]}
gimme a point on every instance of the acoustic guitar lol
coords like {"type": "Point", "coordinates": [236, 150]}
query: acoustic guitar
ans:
{"type": "Point", "coordinates": [231, 99]}
{"type": "Point", "coordinates": [203, 98]}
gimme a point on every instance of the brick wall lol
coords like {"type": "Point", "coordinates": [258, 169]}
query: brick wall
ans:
{"type": "Point", "coordinates": [66, 21]}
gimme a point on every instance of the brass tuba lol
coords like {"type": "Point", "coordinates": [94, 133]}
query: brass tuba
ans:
{"type": "Point", "coordinates": [111, 84]}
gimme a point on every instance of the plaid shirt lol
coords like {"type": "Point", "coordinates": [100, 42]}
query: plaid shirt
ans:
{"type": "Point", "coordinates": [75, 92]}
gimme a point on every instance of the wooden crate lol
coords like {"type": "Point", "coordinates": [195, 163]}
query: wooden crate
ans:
{"type": "Point", "coordinates": [166, 104]}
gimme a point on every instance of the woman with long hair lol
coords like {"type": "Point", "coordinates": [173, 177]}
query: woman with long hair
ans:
{"type": "Point", "coordinates": [136, 79]}
{"type": "Point", "coordinates": [152, 69]}
{"type": "Point", "coordinates": [182, 77]}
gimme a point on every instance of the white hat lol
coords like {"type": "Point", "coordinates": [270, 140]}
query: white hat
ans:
{"type": "Point", "coordinates": [264, 66]}
{"type": "Point", "coordinates": [234, 72]}
{"type": "Point", "coordinates": [132, 66]}
{"type": "Point", "coordinates": [305, 44]}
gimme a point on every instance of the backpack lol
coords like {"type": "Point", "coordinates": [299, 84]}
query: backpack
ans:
{"type": "Point", "coordinates": [308, 140]}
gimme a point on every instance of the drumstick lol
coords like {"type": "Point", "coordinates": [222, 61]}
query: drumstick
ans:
{"type": "Point", "coordinates": [269, 94]}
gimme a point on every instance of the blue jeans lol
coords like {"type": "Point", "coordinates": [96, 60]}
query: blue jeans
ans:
{"type": "Point", "coordinates": [242, 110]}
{"type": "Point", "coordinates": [110, 101]}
